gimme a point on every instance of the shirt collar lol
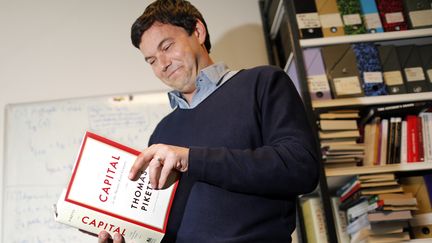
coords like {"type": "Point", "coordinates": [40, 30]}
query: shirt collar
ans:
{"type": "Point", "coordinates": [207, 77]}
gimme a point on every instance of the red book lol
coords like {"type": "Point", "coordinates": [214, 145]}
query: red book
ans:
{"type": "Point", "coordinates": [412, 139]}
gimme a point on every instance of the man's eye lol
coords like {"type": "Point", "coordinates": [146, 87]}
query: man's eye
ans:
{"type": "Point", "coordinates": [167, 47]}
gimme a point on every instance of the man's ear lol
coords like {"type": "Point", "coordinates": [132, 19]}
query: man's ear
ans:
{"type": "Point", "coordinates": [200, 31]}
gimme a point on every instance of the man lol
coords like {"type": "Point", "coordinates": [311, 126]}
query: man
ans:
{"type": "Point", "coordinates": [240, 142]}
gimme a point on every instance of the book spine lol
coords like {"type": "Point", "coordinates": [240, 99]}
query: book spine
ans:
{"type": "Point", "coordinates": [313, 215]}
{"type": "Point", "coordinates": [390, 143]}
{"type": "Point", "coordinates": [94, 222]}
{"type": "Point", "coordinates": [420, 140]}
{"type": "Point", "coordinates": [341, 221]}
{"type": "Point", "coordinates": [412, 140]}
{"type": "Point", "coordinates": [403, 150]}
{"type": "Point", "coordinates": [384, 138]}
{"type": "Point", "coordinates": [427, 135]}
{"type": "Point", "coordinates": [397, 141]}
{"type": "Point", "coordinates": [350, 192]}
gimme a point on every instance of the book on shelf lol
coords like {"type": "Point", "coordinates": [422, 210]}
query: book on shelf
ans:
{"type": "Point", "coordinates": [313, 216]}
{"type": "Point", "coordinates": [383, 229]}
{"type": "Point", "coordinates": [100, 196]}
{"type": "Point", "coordinates": [339, 115]}
{"type": "Point", "coordinates": [329, 125]}
{"type": "Point", "coordinates": [397, 199]}
{"type": "Point", "coordinates": [380, 184]}
{"type": "Point", "coordinates": [389, 215]}
{"type": "Point", "coordinates": [340, 220]}
{"type": "Point", "coordinates": [339, 134]}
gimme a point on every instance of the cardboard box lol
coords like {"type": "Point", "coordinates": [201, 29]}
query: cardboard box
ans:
{"type": "Point", "coordinates": [392, 70]}
{"type": "Point", "coordinates": [341, 69]}
{"type": "Point", "coordinates": [331, 20]}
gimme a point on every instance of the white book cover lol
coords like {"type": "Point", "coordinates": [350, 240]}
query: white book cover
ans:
{"type": "Point", "coordinates": [100, 195]}
{"type": "Point", "coordinates": [427, 136]}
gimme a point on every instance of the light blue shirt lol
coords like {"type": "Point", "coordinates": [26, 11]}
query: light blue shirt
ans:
{"type": "Point", "coordinates": [208, 80]}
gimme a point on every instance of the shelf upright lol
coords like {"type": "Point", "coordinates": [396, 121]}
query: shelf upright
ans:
{"type": "Point", "coordinates": [301, 73]}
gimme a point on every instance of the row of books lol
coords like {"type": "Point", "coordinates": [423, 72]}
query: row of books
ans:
{"type": "Point", "coordinates": [375, 208]}
{"type": "Point", "coordinates": [398, 140]}
{"type": "Point", "coordinates": [325, 18]}
{"type": "Point", "coordinates": [381, 135]}
{"type": "Point", "coordinates": [367, 69]}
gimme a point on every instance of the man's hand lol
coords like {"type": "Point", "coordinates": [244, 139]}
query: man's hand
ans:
{"type": "Point", "coordinates": [104, 237]}
{"type": "Point", "coordinates": [163, 161]}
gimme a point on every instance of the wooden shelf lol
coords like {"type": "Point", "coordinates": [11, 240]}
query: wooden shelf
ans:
{"type": "Point", "coordinates": [351, 171]}
{"type": "Point", "coordinates": [372, 100]}
{"type": "Point", "coordinates": [384, 36]}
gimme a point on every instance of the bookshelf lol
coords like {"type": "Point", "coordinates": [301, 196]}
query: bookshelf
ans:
{"type": "Point", "coordinates": [334, 177]}
{"type": "Point", "coordinates": [375, 100]}
{"type": "Point", "coordinates": [375, 37]}
{"type": "Point", "coordinates": [359, 170]}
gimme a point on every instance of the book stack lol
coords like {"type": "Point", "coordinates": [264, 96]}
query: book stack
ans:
{"type": "Point", "coordinates": [377, 208]}
{"type": "Point", "coordinates": [392, 137]}
{"type": "Point", "coordinates": [338, 134]}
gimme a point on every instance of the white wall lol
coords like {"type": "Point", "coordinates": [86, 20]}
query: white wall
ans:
{"type": "Point", "coordinates": [54, 49]}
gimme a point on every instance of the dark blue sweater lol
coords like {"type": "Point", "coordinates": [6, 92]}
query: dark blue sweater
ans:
{"type": "Point", "coordinates": [251, 153]}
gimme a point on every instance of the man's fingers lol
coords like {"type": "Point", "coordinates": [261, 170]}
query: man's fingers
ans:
{"type": "Point", "coordinates": [164, 174]}
{"type": "Point", "coordinates": [154, 169]}
{"type": "Point", "coordinates": [140, 165]}
{"type": "Point", "coordinates": [118, 238]}
{"type": "Point", "coordinates": [103, 237]}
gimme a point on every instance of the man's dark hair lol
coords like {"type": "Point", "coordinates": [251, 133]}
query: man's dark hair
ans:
{"type": "Point", "coordinates": [175, 12]}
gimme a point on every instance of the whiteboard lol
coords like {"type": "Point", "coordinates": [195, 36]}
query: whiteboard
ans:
{"type": "Point", "coordinates": [41, 143]}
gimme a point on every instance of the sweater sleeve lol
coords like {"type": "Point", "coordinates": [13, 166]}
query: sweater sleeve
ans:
{"type": "Point", "coordinates": [286, 165]}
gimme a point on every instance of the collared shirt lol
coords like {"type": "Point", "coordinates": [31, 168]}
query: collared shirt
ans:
{"type": "Point", "coordinates": [208, 80]}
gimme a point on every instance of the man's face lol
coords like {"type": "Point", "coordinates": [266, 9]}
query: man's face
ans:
{"type": "Point", "coordinates": [173, 55]}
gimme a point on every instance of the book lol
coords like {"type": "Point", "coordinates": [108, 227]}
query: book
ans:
{"type": "Point", "coordinates": [389, 216]}
{"type": "Point", "coordinates": [412, 139]}
{"type": "Point", "coordinates": [397, 199]}
{"type": "Point", "coordinates": [100, 196]}
{"type": "Point", "coordinates": [340, 221]}
{"type": "Point", "coordinates": [384, 138]}
{"type": "Point", "coordinates": [339, 134]}
{"type": "Point", "coordinates": [426, 118]}
{"type": "Point", "coordinates": [313, 215]}
{"type": "Point", "coordinates": [339, 115]}
{"type": "Point", "coordinates": [338, 125]}
{"type": "Point", "coordinates": [403, 149]}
